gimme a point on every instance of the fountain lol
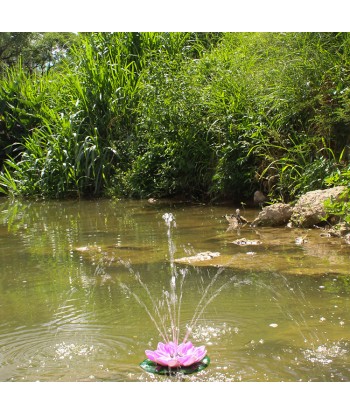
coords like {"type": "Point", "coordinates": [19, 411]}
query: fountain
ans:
{"type": "Point", "coordinates": [172, 355]}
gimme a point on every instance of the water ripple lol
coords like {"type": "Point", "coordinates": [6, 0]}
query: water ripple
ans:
{"type": "Point", "coordinates": [40, 353]}
{"type": "Point", "coordinates": [325, 354]}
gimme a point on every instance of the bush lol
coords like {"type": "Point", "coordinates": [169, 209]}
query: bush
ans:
{"type": "Point", "coordinates": [205, 115]}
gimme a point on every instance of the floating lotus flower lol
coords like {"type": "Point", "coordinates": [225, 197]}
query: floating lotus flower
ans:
{"type": "Point", "coordinates": [173, 355]}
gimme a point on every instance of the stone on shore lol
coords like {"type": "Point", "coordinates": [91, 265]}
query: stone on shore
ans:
{"type": "Point", "coordinates": [309, 209]}
{"type": "Point", "coordinates": [277, 214]}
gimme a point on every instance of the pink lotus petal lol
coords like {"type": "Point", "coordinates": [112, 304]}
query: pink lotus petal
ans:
{"type": "Point", "coordinates": [168, 362]}
{"type": "Point", "coordinates": [173, 355]}
{"type": "Point", "coordinates": [171, 348]}
{"type": "Point", "coordinates": [200, 353]}
{"type": "Point", "coordinates": [163, 347]}
{"type": "Point", "coordinates": [185, 348]}
{"type": "Point", "coordinates": [187, 360]}
{"type": "Point", "coordinates": [152, 355]}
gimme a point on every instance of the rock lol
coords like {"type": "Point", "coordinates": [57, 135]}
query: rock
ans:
{"type": "Point", "coordinates": [277, 214]}
{"type": "Point", "coordinates": [233, 221]}
{"type": "Point", "coordinates": [259, 197]}
{"type": "Point", "coordinates": [347, 238]}
{"type": "Point", "coordinates": [309, 209]}
{"type": "Point", "coordinates": [339, 230]}
{"type": "Point", "coordinates": [299, 240]}
{"type": "Point", "coordinates": [244, 241]}
{"type": "Point", "coordinates": [201, 256]}
{"type": "Point", "coordinates": [236, 220]}
{"type": "Point", "coordinates": [317, 258]}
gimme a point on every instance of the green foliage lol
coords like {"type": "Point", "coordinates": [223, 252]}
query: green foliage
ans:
{"type": "Point", "coordinates": [12, 44]}
{"type": "Point", "coordinates": [83, 135]}
{"type": "Point", "coordinates": [21, 100]}
{"type": "Point", "coordinates": [341, 207]}
{"type": "Point", "coordinates": [47, 50]}
{"type": "Point", "coordinates": [34, 50]}
{"type": "Point", "coordinates": [288, 128]}
{"type": "Point", "coordinates": [206, 115]}
{"type": "Point", "coordinates": [175, 149]}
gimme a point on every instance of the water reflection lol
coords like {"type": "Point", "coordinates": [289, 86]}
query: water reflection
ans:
{"type": "Point", "coordinates": [64, 315]}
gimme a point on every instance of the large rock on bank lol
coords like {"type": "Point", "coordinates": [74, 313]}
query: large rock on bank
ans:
{"type": "Point", "coordinates": [309, 209]}
{"type": "Point", "coordinates": [307, 212]}
{"type": "Point", "coordinates": [277, 214]}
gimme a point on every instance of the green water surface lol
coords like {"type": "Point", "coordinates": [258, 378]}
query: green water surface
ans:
{"type": "Point", "coordinates": [70, 299]}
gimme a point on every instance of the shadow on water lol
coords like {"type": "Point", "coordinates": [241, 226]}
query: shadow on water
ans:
{"type": "Point", "coordinates": [71, 310]}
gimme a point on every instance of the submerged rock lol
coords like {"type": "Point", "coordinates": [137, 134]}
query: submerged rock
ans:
{"type": "Point", "coordinates": [309, 209]}
{"type": "Point", "coordinates": [201, 256]}
{"type": "Point", "coordinates": [284, 251]}
{"type": "Point", "coordinates": [108, 254]}
{"type": "Point", "coordinates": [244, 241]}
{"type": "Point", "coordinates": [301, 240]}
{"type": "Point", "coordinates": [274, 215]}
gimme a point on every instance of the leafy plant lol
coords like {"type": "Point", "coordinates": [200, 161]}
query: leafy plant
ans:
{"type": "Point", "coordinates": [205, 115]}
{"type": "Point", "coordinates": [341, 207]}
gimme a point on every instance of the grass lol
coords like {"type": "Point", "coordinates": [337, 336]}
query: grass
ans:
{"type": "Point", "coordinates": [204, 115]}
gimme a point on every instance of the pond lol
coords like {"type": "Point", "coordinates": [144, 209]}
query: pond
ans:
{"type": "Point", "coordinates": [79, 280]}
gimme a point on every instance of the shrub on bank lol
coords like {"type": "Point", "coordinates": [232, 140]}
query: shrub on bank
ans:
{"type": "Point", "coordinates": [205, 115]}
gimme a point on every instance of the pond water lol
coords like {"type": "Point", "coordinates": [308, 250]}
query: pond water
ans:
{"type": "Point", "coordinates": [70, 295]}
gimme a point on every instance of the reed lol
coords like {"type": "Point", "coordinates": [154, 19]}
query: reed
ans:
{"type": "Point", "coordinates": [206, 115]}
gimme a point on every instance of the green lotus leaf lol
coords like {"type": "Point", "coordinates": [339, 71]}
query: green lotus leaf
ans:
{"type": "Point", "coordinates": [152, 367]}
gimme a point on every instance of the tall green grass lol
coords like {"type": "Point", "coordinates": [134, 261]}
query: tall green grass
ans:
{"type": "Point", "coordinates": [85, 113]}
{"type": "Point", "coordinates": [285, 92]}
{"type": "Point", "coordinates": [205, 115]}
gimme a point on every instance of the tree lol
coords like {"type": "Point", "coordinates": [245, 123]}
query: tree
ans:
{"type": "Point", "coordinates": [36, 50]}
{"type": "Point", "coordinates": [12, 44]}
{"type": "Point", "coordinates": [48, 49]}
